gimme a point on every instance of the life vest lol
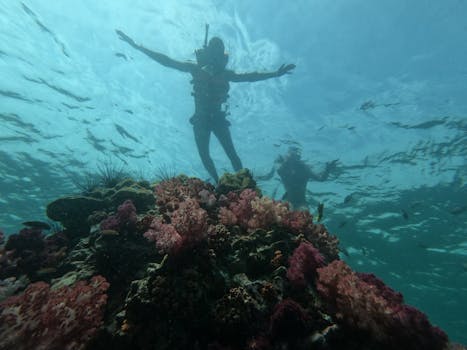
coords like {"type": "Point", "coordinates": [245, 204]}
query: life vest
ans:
{"type": "Point", "coordinates": [210, 89]}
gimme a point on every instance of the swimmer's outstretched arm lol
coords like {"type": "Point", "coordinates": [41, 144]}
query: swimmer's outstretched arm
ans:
{"type": "Point", "coordinates": [157, 56]}
{"type": "Point", "coordinates": [255, 76]}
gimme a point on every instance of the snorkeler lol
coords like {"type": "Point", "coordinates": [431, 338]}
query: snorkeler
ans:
{"type": "Point", "coordinates": [210, 91]}
{"type": "Point", "coordinates": [295, 174]}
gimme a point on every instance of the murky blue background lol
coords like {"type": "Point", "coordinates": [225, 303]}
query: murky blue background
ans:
{"type": "Point", "coordinates": [379, 85]}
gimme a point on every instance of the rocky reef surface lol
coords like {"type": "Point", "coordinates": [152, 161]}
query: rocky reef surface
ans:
{"type": "Point", "coordinates": [182, 264]}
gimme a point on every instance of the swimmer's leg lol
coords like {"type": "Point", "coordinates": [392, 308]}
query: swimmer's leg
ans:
{"type": "Point", "coordinates": [222, 133]}
{"type": "Point", "coordinates": [202, 136]}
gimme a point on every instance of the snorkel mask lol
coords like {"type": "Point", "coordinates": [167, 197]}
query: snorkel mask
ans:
{"type": "Point", "coordinates": [213, 53]}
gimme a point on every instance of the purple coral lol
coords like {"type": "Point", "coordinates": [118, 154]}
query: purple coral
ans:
{"type": "Point", "coordinates": [363, 302]}
{"type": "Point", "coordinates": [301, 222]}
{"type": "Point", "coordinates": [303, 264]}
{"type": "Point", "coordinates": [166, 237]}
{"type": "Point", "coordinates": [125, 218]}
{"type": "Point", "coordinates": [42, 318]}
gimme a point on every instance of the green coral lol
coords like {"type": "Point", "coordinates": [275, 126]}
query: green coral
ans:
{"type": "Point", "coordinates": [239, 181]}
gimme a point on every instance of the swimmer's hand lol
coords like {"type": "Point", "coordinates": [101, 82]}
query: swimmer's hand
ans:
{"type": "Point", "coordinates": [285, 69]}
{"type": "Point", "coordinates": [122, 36]}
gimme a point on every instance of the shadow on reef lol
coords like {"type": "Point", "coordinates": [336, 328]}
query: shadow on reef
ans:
{"type": "Point", "coordinates": [182, 265]}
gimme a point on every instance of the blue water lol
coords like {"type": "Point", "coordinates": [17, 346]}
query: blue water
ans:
{"type": "Point", "coordinates": [379, 85]}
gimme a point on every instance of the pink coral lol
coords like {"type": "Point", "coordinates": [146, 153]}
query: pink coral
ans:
{"type": "Point", "coordinates": [171, 192]}
{"type": "Point", "coordinates": [227, 217]}
{"type": "Point", "coordinates": [188, 227]}
{"type": "Point", "coordinates": [190, 220]}
{"type": "Point", "coordinates": [365, 303]}
{"type": "Point", "coordinates": [302, 222]}
{"type": "Point", "coordinates": [303, 264]}
{"type": "Point", "coordinates": [46, 319]}
{"type": "Point", "coordinates": [166, 237]}
{"type": "Point", "coordinates": [240, 210]}
{"type": "Point", "coordinates": [266, 213]}
{"type": "Point", "coordinates": [299, 221]}
{"type": "Point", "coordinates": [252, 212]}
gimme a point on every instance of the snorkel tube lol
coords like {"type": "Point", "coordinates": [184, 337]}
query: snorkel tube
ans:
{"type": "Point", "coordinates": [201, 53]}
{"type": "Point", "coordinates": [206, 31]}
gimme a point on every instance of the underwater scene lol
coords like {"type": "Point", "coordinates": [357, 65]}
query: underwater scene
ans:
{"type": "Point", "coordinates": [258, 175]}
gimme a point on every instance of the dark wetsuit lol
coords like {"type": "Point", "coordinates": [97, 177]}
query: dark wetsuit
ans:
{"type": "Point", "coordinates": [295, 174]}
{"type": "Point", "coordinates": [210, 92]}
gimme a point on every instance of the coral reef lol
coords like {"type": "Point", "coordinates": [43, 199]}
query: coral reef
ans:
{"type": "Point", "coordinates": [195, 267]}
{"type": "Point", "coordinates": [125, 218]}
{"type": "Point", "coordinates": [303, 264]}
{"type": "Point", "coordinates": [364, 303]}
{"type": "Point", "coordinates": [289, 321]}
{"type": "Point", "coordinates": [45, 318]}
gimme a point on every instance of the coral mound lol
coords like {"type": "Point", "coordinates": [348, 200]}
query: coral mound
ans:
{"type": "Point", "coordinates": [200, 268]}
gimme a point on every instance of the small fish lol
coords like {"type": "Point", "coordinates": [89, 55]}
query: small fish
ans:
{"type": "Point", "coordinates": [458, 210]}
{"type": "Point", "coordinates": [109, 233]}
{"type": "Point", "coordinates": [391, 104]}
{"type": "Point", "coordinates": [37, 224]}
{"type": "Point", "coordinates": [422, 245]}
{"type": "Point", "coordinates": [370, 105]}
{"type": "Point", "coordinates": [367, 105]}
{"type": "Point", "coordinates": [46, 271]}
{"type": "Point", "coordinates": [342, 224]}
{"type": "Point", "coordinates": [405, 215]}
{"type": "Point", "coordinates": [121, 55]}
{"type": "Point", "coordinates": [348, 198]}
{"type": "Point", "coordinates": [320, 212]}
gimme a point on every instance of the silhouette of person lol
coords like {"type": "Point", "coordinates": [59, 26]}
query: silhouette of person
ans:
{"type": "Point", "coordinates": [210, 91]}
{"type": "Point", "coordinates": [295, 174]}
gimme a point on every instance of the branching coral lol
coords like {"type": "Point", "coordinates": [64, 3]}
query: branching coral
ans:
{"type": "Point", "coordinates": [222, 285]}
{"type": "Point", "coordinates": [46, 319]}
{"type": "Point", "coordinates": [302, 222]}
{"type": "Point", "coordinates": [364, 303]}
{"type": "Point", "coordinates": [252, 212]}
{"type": "Point", "coordinates": [166, 237]}
{"type": "Point", "coordinates": [303, 264]}
{"type": "Point", "coordinates": [188, 227]}
{"type": "Point", "coordinates": [169, 193]}
{"type": "Point", "coordinates": [124, 218]}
